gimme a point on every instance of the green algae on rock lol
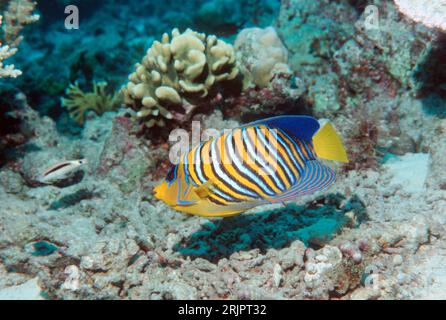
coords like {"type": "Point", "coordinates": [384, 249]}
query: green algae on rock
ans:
{"type": "Point", "coordinates": [78, 102]}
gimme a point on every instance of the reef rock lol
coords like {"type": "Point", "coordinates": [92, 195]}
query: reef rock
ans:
{"type": "Point", "coordinates": [320, 265]}
{"type": "Point", "coordinates": [261, 54]}
{"type": "Point", "coordinates": [431, 13]}
{"type": "Point", "coordinates": [29, 290]}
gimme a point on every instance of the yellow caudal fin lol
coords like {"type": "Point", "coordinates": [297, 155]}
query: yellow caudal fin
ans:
{"type": "Point", "coordinates": [328, 145]}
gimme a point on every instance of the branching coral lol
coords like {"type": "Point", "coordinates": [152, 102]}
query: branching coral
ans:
{"type": "Point", "coordinates": [79, 102]}
{"type": "Point", "coordinates": [7, 71]}
{"type": "Point", "coordinates": [17, 15]}
{"type": "Point", "coordinates": [177, 75]}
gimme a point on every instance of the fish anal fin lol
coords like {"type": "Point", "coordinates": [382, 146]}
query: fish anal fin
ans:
{"type": "Point", "coordinates": [317, 176]}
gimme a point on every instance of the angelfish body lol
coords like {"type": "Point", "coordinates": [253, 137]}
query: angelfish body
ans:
{"type": "Point", "coordinates": [268, 161]}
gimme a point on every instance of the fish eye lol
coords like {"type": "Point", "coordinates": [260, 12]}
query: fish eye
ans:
{"type": "Point", "coordinates": [172, 174]}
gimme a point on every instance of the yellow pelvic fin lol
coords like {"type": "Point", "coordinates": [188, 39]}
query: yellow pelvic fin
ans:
{"type": "Point", "coordinates": [328, 144]}
{"type": "Point", "coordinates": [203, 191]}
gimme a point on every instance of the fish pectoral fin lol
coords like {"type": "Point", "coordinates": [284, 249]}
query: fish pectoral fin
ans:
{"type": "Point", "coordinates": [204, 190]}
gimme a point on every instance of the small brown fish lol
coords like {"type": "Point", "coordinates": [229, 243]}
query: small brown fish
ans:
{"type": "Point", "coordinates": [61, 170]}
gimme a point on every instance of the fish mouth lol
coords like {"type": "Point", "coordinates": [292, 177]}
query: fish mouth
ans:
{"type": "Point", "coordinates": [159, 192]}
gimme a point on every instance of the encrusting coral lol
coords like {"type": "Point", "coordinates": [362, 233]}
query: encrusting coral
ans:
{"type": "Point", "coordinates": [79, 102]}
{"type": "Point", "coordinates": [262, 54]}
{"type": "Point", "coordinates": [431, 13]}
{"type": "Point", "coordinates": [18, 14]}
{"type": "Point", "coordinates": [177, 75]}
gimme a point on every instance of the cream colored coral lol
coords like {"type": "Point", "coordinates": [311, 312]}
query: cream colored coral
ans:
{"type": "Point", "coordinates": [261, 53]}
{"type": "Point", "coordinates": [178, 74]}
{"type": "Point", "coordinates": [431, 13]}
{"type": "Point", "coordinates": [17, 15]}
{"type": "Point", "coordinates": [7, 71]}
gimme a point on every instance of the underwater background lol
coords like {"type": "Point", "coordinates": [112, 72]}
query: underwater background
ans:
{"type": "Point", "coordinates": [78, 81]}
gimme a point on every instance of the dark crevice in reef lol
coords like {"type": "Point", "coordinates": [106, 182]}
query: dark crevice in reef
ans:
{"type": "Point", "coordinates": [314, 223]}
{"type": "Point", "coordinates": [11, 131]}
{"type": "Point", "coordinates": [430, 77]}
{"type": "Point", "coordinates": [73, 199]}
{"type": "Point", "coordinates": [359, 5]}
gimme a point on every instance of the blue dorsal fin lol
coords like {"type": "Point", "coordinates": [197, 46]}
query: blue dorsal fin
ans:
{"type": "Point", "coordinates": [301, 127]}
{"type": "Point", "coordinates": [317, 176]}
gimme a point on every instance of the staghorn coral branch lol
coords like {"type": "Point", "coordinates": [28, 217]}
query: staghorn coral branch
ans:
{"type": "Point", "coordinates": [7, 71]}
{"type": "Point", "coordinates": [18, 14]}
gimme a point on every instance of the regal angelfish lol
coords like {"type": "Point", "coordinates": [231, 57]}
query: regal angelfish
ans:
{"type": "Point", "coordinates": [267, 161]}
